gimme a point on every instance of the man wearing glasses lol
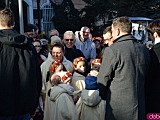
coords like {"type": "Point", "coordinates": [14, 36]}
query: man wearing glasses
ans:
{"type": "Point", "coordinates": [71, 52]}
{"type": "Point", "coordinates": [85, 44]}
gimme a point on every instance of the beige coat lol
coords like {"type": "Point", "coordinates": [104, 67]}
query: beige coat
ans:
{"type": "Point", "coordinates": [62, 105]}
{"type": "Point", "coordinates": [46, 85]}
{"type": "Point", "coordinates": [45, 68]}
{"type": "Point", "coordinates": [78, 81]}
{"type": "Point", "coordinates": [90, 106]}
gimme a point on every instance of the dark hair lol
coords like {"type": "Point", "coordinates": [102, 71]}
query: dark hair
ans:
{"type": "Point", "coordinates": [30, 27]}
{"type": "Point", "coordinates": [7, 17]}
{"type": "Point", "coordinates": [154, 27]}
{"type": "Point", "coordinates": [123, 23]}
{"type": "Point", "coordinates": [107, 29]}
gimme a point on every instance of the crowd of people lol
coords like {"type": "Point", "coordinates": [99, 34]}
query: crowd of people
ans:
{"type": "Point", "coordinates": [78, 76]}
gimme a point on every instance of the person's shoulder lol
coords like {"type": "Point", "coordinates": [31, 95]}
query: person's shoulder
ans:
{"type": "Point", "coordinates": [79, 52]}
{"type": "Point", "coordinates": [65, 60]}
{"type": "Point", "coordinates": [89, 41]}
{"type": "Point", "coordinates": [156, 46]}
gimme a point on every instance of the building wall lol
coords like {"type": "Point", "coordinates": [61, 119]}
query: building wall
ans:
{"type": "Point", "coordinates": [79, 4]}
{"type": "Point", "coordinates": [29, 11]}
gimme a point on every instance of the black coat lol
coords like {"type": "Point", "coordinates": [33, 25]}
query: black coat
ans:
{"type": "Point", "coordinates": [156, 49]}
{"type": "Point", "coordinates": [152, 85]}
{"type": "Point", "coordinates": [72, 53]}
{"type": "Point", "coordinates": [20, 76]}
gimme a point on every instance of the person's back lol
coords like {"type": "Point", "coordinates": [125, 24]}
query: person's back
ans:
{"type": "Point", "coordinates": [153, 78]}
{"type": "Point", "coordinates": [61, 101]}
{"type": "Point", "coordinates": [90, 106]}
{"type": "Point", "coordinates": [20, 73]}
{"type": "Point", "coordinates": [123, 72]}
{"type": "Point", "coordinates": [130, 74]}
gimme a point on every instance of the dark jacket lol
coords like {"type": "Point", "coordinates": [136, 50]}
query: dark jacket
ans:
{"type": "Point", "coordinates": [20, 76]}
{"type": "Point", "coordinates": [153, 82]}
{"type": "Point", "coordinates": [72, 53]}
{"type": "Point", "coordinates": [124, 68]}
{"type": "Point", "coordinates": [156, 49]}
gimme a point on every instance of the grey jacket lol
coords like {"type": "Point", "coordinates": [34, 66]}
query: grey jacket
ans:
{"type": "Point", "coordinates": [121, 78]}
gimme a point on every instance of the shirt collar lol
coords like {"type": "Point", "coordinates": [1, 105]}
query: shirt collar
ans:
{"type": "Point", "coordinates": [157, 40]}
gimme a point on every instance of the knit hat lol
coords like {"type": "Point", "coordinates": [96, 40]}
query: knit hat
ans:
{"type": "Point", "coordinates": [76, 60]}
{"type": "Point", "coordinates": [43, 41]}
{"type": "Point", "coordinates": [30, 28]}
{"type": "Point", "coordinates": [65, 76]}
{"type": "Point", "coordinates": [55, 39]}
{"type": "Point", "coordinates": [91, 83]}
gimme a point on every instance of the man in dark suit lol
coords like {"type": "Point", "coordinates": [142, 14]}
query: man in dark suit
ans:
{"type": "Point", "coordinates": [153, 79]}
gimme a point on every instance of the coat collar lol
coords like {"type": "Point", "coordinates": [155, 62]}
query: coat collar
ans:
{"type": "Point", "coordinates": [124, 38]}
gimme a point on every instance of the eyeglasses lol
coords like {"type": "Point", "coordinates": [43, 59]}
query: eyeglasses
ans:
{"type": "Point", "coordinates": [69, 39]}
{"type": "Point", "coordinates": [85, 32]}
{"type": "Point", "coordinates": [38, 46]}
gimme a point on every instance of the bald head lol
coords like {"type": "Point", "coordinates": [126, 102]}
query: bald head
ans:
{"type": "Point", "coordinates": [85, 31]}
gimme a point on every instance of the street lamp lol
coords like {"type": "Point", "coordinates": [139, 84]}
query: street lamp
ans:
{"type": "Point", "coordinates": [21, 16]}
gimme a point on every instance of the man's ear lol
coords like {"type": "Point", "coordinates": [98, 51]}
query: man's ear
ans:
{"type": "Point", "coordinates": [118, 31]}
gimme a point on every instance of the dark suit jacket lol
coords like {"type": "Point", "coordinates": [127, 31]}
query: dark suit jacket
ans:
{"type": "Point", "coordinates": [152, 85]}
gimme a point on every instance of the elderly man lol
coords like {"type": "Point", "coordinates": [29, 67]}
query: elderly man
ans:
{"type": "Point", "coordinates": [122, 74]}
{"type": "Point", "coordinates": [70, 49]}
{"type": "Point", "coordinates": [85, 44]}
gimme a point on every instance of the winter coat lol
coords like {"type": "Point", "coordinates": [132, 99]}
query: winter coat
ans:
{"type": "Point", "coordinates": [20, 76]}
{"type": "Point", "coordinates": [62, 105]}
{"type": "Point", "coordinates": [121, 77]}
{"type": "Point", "coordinates": [45, 68]}
{"type": "Point", "coordinates": [47, 85]}
{"type": "Point", "coordinates": [72, 53]}
{"type": "Point", "coordinates": [90, 106]}
{"type": "Point", "coordinates": [153, 82]}
{"type": "Point", "coordinates": [78, 81]}
{"type": "Point", "coordinates": [156, 49]}
{"type": "Point", "coordinates": [87, 47]}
